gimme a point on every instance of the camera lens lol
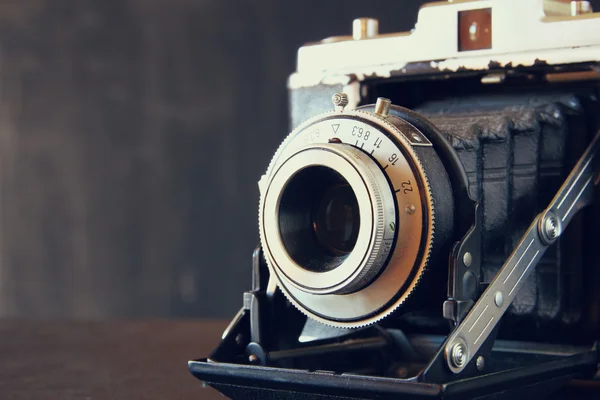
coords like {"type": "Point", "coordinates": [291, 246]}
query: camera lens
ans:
{"type": "Point", "coordinates": [338, 220]}
{"type": "Point", "coordinates": [346, 215]}
{"type": "Point", "coordinates": [318, 218]}
{"type": "Point", "coordinates": [325, 217]}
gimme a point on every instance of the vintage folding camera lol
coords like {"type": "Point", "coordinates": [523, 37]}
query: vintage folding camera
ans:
{"type": "Point", "coordinates": [431, 226]}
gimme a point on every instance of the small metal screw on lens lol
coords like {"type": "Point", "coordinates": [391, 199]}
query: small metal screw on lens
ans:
{"type": "Point", "coordinates": [382, 107]}
{"type": "Point", "coordinates": [340, 100]}
{"type": "Point", "coordinates": [459, 355]}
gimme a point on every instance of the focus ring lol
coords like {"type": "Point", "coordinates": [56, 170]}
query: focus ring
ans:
{"type": "Point", "coordinates": [396, 262]}
{"type": "Point", "coordinates": [378, 188]}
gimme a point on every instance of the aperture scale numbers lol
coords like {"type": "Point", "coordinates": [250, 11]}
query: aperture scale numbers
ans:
{"type": "Point", "coordinates": [372, 140]}
{"type": "Point", "coordinates": [312, 135]}
{"type": "Point", "coordinates": [365, 137]}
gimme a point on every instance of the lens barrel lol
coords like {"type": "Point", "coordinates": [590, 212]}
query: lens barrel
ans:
{"type": "Point", "coordinates": [318, 218]}
{"type": "Point", "coordinates": [327, 206]}
{"type": "Point", "coordinates": [354, 208]}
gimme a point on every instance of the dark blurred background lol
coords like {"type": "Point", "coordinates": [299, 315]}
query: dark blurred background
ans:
{"type": "Point", "coordinates": [132, 137]}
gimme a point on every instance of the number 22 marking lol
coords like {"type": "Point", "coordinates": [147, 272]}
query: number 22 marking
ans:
{"type": "Point", "coordinates": [407, 186]}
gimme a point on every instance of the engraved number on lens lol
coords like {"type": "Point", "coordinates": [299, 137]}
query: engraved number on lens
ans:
{"type": "Point", "coordinates": [357, 131]}
{"type": "Point", "coordinates": [311, 136]}
{"type": "Point", "coordinates": [407, 187]}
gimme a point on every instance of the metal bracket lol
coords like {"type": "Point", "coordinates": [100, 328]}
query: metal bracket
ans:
{"type": "Point", "coordinates": [464, 273]}
{"type": "Point", "coordinates": [575, 193]}
{"type": "Point", "coordinates": [259, 308]}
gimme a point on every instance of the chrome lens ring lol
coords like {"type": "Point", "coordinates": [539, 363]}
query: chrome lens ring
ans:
{"type": "Point", "coordinates": [376, 210]}
{"type": "Point", "coordinates": [396, 147]}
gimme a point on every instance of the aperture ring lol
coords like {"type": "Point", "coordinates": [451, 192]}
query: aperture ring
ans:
{"type": "Point", "coordinates": [385, 140]}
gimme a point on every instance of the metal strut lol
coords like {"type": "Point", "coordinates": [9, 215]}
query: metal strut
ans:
{"type": "Point", "coordinates": [575, 193]}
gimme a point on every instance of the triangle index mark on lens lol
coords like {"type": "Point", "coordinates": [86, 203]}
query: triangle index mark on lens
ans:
{"type": "Point", "coordinates": [335, 127]}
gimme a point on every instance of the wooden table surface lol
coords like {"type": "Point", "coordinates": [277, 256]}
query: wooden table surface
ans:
{"type": "Point", "coordinates": [65, 360]}
{"type": "Point", "coordinates": [104, 360]}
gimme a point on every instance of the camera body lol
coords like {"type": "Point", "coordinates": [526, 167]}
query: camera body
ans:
{"type": "Point", "coordinates": [517, 139]}
{"type": "Point", "coordinates": [431, 233]}
{"type": "Point", "coordinates": [517, 126]}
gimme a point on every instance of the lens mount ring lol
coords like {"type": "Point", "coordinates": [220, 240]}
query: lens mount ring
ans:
{"type": "Point", "coordinates": [376, 210]}
{"type": "Point", "coordinates": [407, 167]}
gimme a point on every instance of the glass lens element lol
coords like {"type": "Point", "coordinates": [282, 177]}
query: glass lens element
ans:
{"type": "Point", "coordinates": [338, 220]}
{"type": "Point", "coordinates": [318, 218]}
